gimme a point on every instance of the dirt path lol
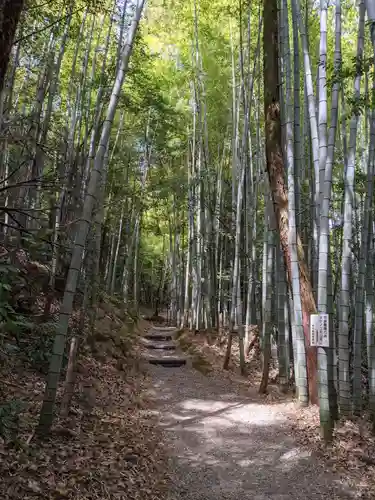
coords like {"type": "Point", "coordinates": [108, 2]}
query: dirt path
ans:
{"type": "Point", "coordinates": [225, 446]}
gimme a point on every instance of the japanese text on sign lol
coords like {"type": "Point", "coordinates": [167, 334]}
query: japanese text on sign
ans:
{"type": "Point", "coordinates": [319, 330]}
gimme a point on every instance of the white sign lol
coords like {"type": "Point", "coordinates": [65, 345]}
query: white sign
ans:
{"type": "Point", "coordinates": [323, 339]}
{"type": "Point", "coordinates": [314, 327]}
{"type": "Point", "coordinates": [319, 330]}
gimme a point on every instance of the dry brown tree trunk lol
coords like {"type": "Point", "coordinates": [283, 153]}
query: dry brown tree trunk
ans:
{"type": "Point", "coordinates": [275, 169]}
{"type": "Point", "coordinates": [10, 12]}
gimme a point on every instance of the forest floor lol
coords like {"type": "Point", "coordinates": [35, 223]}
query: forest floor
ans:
{"type": "Point", "coordinates": [219, 438]}
{"type": "Point", "coordinates": [109, 447]}
{"type": "Point", "coordinates": [227, 441]}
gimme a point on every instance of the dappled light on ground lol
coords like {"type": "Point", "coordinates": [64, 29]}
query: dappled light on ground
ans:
{"type": "Point", "coordinates": [224, 445]}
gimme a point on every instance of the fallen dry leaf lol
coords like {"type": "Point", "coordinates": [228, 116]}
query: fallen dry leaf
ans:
{"type": "Point", "coordinates": [108, 448]}
{"type": "Point", "coordinates": [352, 453]}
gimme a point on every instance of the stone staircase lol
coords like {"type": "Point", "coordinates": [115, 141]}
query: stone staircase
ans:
{"type": "Point", "coordinates": [159, 347]}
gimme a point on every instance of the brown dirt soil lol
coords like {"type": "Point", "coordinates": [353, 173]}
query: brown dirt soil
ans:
{"type": "Point", "coordinates": [108, 448]}
{"type": "Point", "coordinates": [209, 349]}
{"type": "Point", "coordinates": [352, 453]}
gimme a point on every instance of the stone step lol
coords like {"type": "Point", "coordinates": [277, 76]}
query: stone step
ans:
{"type": "Point", "coordinates": [165, 359]}
{"type": "Point", "coordinates": [157, 344]}
{"type": "Point", "coordinates": [165, 328]}
{"type": "Point", "coordinates": [162, 336]}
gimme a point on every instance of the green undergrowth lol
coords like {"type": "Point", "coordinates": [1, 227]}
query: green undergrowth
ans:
{"type": "Point", "coordinates": [199, 362]}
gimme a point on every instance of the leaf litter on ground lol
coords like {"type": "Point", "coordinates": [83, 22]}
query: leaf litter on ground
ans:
{"type": "Point", "coordinates": [109, 447]}
{"type": "Point", "coordinates": [351, 455]}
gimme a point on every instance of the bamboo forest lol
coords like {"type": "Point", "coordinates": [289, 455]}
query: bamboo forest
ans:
{"type": "Point", "coordinates": [187, 249]}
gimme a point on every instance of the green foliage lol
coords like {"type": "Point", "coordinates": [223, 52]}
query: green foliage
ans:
{"type": "Point", "coordinates": [356, 104]}
{"type": "Point", "coordinates": [9, 419]}
{"type": "Point", "coordinates": [32, 341]}
{"type": "Point", "coordinates": [37, 347]}
{"type": "Point", "coordinates": [10, 321]}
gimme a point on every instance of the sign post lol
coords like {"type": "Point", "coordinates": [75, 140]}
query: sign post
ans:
{"type": "Point", "coordinates": [319, 330]}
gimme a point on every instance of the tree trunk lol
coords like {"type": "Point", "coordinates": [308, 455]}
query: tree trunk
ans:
{"type": "Point", "coordinates": [275, 169]}
{"type": "Point", "coordinates": [10, 12]}
{"type": "Point", "coordinates": [71, 375]}
{"type": "Point", "coordinates": [298, 340]}
{"type": "Point", "coordinates": [47, 411]}
{"type": "Point", "coordinates": [268, 258]}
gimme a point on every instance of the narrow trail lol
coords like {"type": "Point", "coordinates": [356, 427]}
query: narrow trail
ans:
{"type": "Point", "coordinates": [225, 446]}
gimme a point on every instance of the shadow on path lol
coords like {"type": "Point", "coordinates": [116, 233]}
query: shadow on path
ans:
{"type": "Point", "coordinates": [224, 446]}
